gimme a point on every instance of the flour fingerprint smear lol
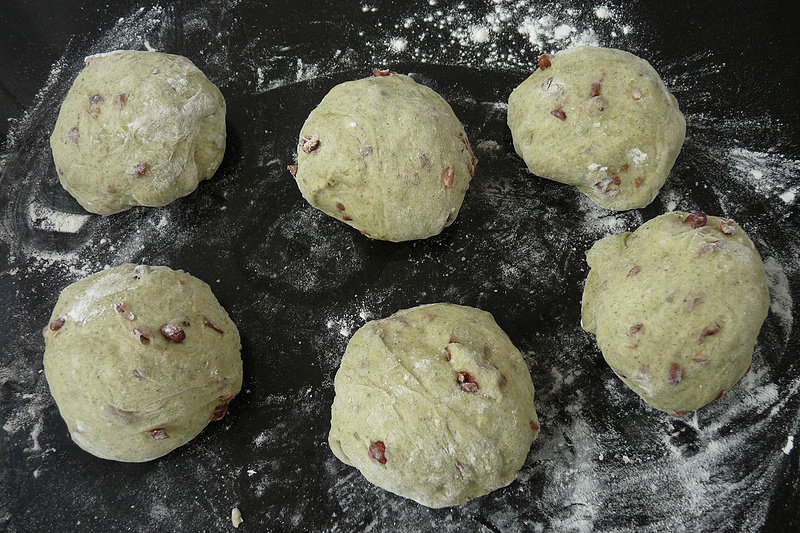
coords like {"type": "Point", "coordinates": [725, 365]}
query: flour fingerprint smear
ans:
{"type": "Point", "coordinates": [298, 284]}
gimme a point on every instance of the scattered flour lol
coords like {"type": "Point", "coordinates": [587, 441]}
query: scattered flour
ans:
{"type": "Point", "coordinates": [583, 471]}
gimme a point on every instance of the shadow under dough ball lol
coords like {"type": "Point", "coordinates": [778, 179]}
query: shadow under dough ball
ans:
{"type": "Point", "coordinates": [676, 307]}
{"type": "Point", "coordinates": [387, 156]}
{"type": "Point", "coordinates": [139, 359]}
{"type": "Point", "coordinates": [137, 128]}
{"type": "Point", "coordinates": [599, 119]}
{"type": "Point", "coordinates": [435, 404]}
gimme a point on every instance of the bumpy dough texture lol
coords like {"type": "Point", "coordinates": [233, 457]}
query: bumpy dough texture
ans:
{"type": "Point", "coordinates": [375, 154]}
{"type": "Point", "coordinates": [118, 380]}
{"type": "Point", "coordinates": [617, 146]}
{"type": "Point", "coordinates": [442, 445]}
{"type": "Point", "coordinates": [676, 310]}
{"type": "Point", "coordinates": [137, 128]}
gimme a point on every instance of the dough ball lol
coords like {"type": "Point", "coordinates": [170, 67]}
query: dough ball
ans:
{"type": "Point", "coordinates": [676, 307]}
{"type": "Point", "coordinates": [600, 119]}
{"type": "Point", "coordinates": [137, 128]}
{"type": "Point", "coordinates": [435, 404]}
{"type": "Point", "coordinates": [386, 156]}
{"type": "Point", "coordinates": [139, 359]}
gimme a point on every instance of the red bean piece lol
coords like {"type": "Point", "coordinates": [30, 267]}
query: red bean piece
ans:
{"type": "Point", "coordinates": [209, 324]}
{"type": "Point", "coordinates": [708, 331]}
{"type": "Point", "coordinates": [56, 324]}
{"type": "Point", "coordinates": [377, 451]}
{"type": "Point", "coordinates": [173, 332]}
{"type": "Point", "coordinates": [448, 177]}
{"type": "Point", "coordinates": [467, 381]}
{"type": "Point", "coordinates": [544, 62]}
{"type": "Point", "coordinates": [158, 433]}
{"type": "Point", "coordinates": [675, 374]}
{"type": "Point", "coordinates": [559, 113]}
{"type": "Point", "coordinates": [696, 220]}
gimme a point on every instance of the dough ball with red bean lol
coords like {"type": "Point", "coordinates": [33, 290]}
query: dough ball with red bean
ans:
{"type": "Point", "coordinates": [139, 360]}
{"type": "Point", "coordinates": [137, 128]}
{"type": "Point", "coordinates": [599, 119]}
{"type": "Point", "coordinates": [435, 404]}
{"type": "Point", "coordinates": [676, 307]}
{"type": "Point", "coordinates": [387, 156]}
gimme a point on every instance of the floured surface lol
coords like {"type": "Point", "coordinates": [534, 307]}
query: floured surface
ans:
{"type": "Point", "coordinates": [298, 285]}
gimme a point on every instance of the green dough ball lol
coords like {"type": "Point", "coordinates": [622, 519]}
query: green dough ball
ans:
{"type": "Point", "coordinates": [676, 307]}
{"type": "Point", "coordinates": [435, 404]}
{"type": "Point", "coordinates": [137, 128]}
{"type": "Point", "coordinates": [387, 156]}
{"type": "Point", "coordinates": [139, 359]}
{"type": "Point", "coordinates": [600, 119]}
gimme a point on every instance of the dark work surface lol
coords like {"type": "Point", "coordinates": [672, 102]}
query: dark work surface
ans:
{"type": "Point", "coordinates": [298, 283]}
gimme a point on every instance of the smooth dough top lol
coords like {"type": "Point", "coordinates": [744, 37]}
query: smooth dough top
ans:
{"type": "Point", "coordinates": [676, 309]}
{"type": "Point", "coordinates": [448, 397]}
{"type": "Point", "coordinates": [115, 375]}
{"type": "Point", "coordinates": [387, 156]}
{"type": "Point", "coordinates": [137, 128]}
{"type": "Point", "coordinates": [600, 119]}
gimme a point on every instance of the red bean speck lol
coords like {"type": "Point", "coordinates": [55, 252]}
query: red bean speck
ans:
{"type": "Point", "coordinates": [173, 332]}
{"type": "Point", "coordinates": [377, 451]}
{"type": "Point", "coordinates": [378, 72]}
{"type": "Point", "coordinates": [448, 177]}
{"type": "Point", "coordinates": [95, 99]}
{"type": "Point", "coordinates": [544, 61]}
{"type": "Point", "coordinates": [637, 181]}
{"type": "Point", "coordinates": [728, 227]}
{"type": "Point", "coordinates": [209, 324]}
{"type": "Point", "coordinates": [141, 335]}
{"type": "Point", "coordinates": [679, 414]}
{"type": "Point", "coordinates": [74, 135]}
{"type": "Point", "coordinates": [534, 425]}
{"type": "Point", "coordinates": [467, 381]}
{"type": "Point", "coordinates": [559, 113]}
{"type": "Point", "coordinates": [675, 373]}
{"type": "Point", "coordinates": [595, 90]}
{"type": "Point", "coordinates": [696, 220]}
{"type": "Point", "coordinates": [447, 353]}
{"type": "Point", "coordinates": [636, 328]}
{"type": "Point", "coordinates": [309, 143]}
{"type": "Point", "coordinates": [708, 331]}
{"type": "Point", "coordinates": [158, 433]}
{"type": "Point", "coordinates": [292, 170]}
{"type": "Point", "coordinates": [718, 396]}
{"type": "Point", "coordinates": [56, 324]}
{"type": "Point", "coordinates": [121, 99]}
{"type": "Point", "coordinates": [616, 180]}
{"type": "Point", "coordinates": [138, 170]}
{"type": "Point", "coordinates": [219, 412]}
{"type": "Point", "coordinates": [635, 270]}
{"type": "Point", "coordinates": [340, 206]}
{"type": "Point", "coordinates": [701, 360]}
{"type": "Point", "coordinates": [124, 311]}
{"type": "Point", "coordinates": [710, 247]}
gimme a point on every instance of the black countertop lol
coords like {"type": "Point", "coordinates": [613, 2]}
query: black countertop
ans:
{"type": "Point", "coordinates": [298, 283]}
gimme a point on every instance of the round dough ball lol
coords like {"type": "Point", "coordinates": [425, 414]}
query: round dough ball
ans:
{"type": "Point", "coordinates": [600, 119]}
{"type": "Point", "coordinates": [676, 307]}
{"type": "Point", "coordinates": [435, 404]}
{"type": "Point", "coordinates": [137, 128]}
{"type": "Point", "coordinates": [386, 156]}
{"type": "Point", "coordinates": [139, 359]}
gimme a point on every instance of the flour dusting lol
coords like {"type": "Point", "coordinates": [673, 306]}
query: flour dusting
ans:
{"type": "Point", "coordinates": [299, 284]}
